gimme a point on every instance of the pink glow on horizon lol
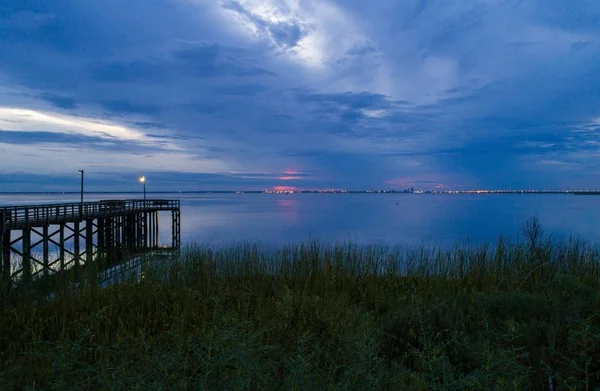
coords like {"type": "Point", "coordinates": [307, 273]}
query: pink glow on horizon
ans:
{"type": "Point", "coordinates": [425, 181]}
{"type": "Point", "coordinates": [290, 175]}
{"type": "Point", "coordinates": [285, 188]}
{"type": "Point", "coordinates": [402, 182]}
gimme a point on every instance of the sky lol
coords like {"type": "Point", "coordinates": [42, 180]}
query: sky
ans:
{"type": "Point", "coordinates": [308, 94]}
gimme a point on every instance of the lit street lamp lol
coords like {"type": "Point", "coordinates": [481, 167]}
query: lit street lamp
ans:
{"type": "Point", "coordinates": [143, 180]}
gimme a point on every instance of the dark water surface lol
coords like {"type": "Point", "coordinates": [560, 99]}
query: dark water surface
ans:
{"type": "Point", "coordinates": [407, 219]}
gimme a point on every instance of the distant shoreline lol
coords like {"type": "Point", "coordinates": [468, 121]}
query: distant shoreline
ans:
{"type": "Point", "coordinates": [465, 192]}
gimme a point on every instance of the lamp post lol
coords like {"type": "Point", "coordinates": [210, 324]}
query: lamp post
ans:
{"type": "Point", "coordinates": [81, 202]}
{"type": "Point", "coordinates": [143, 180]}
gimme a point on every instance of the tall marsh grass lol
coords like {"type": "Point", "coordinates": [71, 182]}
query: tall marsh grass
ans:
{"type": "Point", "coordinates": [516, 315]}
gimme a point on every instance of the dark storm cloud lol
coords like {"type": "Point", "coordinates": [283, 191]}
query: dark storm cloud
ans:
{"type": "Point", "coordinates": [123, 71]}
{"type": "Point", "coordinates": [214, 60]}
{"type": "Point", "coordinates": [61, 102]}
{"type": "Point", "coordinates": [43, 139]}
{"type": "Point", "coordinates": [123, 106]}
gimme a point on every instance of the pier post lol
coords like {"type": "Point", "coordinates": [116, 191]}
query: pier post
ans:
{"type": "Point", "coordinates": [46, 252]}
{"type": "Point", "coordinates": [4, 247]}
{"type": "Point", "coordinates": [141, 229]}
{"type": "Point", "coordinates": [91, 266]}
{"type": "Point", "coordinates": [155, 229]}
{"type": "Point", "coordinates": [89, 241]}
{"type": "Point", "coordinates": [107, 245]}
{"type": "Point", "coordinates": [130, 229]}
{"type": "Point", "coordinates": [117, 223]}
{"type": "Point", "coordinates": [145, 230]}
{"type": "Point", "coordinates": [6, 253]}
{"type": "Point", "coordinates": [100, 244]}
{"type": "Point", "coordinates": [113, 233]}
{"type": "Point", "coordinates": [150, 219]}
{"type": "Point", "coordinates": [122, 221]}
{"type": "Point", "coordinates": [138, 230]}
{"type": "Point", "coordinates": [176, 228]}
{"type": "Point", "coordinates": [61, 241]}
{"type": "Point", "coordinates": [156, 238]}
{"type": "Point", "coordinates": [26, 264]}
{"type": "Point", "coordinates": [2, 230]}
{"type": "Point", "coordinates": [108, 238]}
{"type": "Point", "coordinates": [122, 233]}
{"type": "Point", "coordinates": [76, 248]}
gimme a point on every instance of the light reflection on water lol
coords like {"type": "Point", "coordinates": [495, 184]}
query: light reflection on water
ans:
{"type": "Point", "coordinates": [404, 219]}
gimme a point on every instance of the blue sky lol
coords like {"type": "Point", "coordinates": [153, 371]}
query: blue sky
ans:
{"type": "Point", "coordinates": [254, 94]}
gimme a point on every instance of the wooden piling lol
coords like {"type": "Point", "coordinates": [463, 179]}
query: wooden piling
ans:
{"type": "Point", "coordinates": [130, 229]}
{"type": "Point", "coordinates": [46, 252]}
{"type": "Point", "coordinates": [76, 248]}
{"type": "Point", "coordinates": [26, 254]}
{"type": "Point", "coordinates": [176, 228]}
{"type": "Point", "coordinates": [156, 231]}
{"type": "Point", "coordinates": [6, 254]}
{"type": "Point", "coordinates": [89, 241]}
{"type": "Point", "coordinates": [2, 231]}
{"type": "Point", "coordinates": [100, 244]}
{"type": "Point", "coordinates": [5, 264]}
{"type": "Point", "coordinates": [61, 241]}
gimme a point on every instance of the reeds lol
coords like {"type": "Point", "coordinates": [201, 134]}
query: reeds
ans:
{"type": "Point", "coordinates": [520, 315]}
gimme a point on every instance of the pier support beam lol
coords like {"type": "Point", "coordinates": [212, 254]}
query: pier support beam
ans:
{"type": "Point", "coordinates": [101, 245]}
{"type": "Point", "coordinates": [118, 232]}
{"type": "Point", "coordinates": [89, 241]}
{"type": "Point", "coordinates": [109, 230]}
{"type": "Point", "coordinates": [26, 254]}
{"type": "Point", "coordinates": [90, 266]}
{"type": "Point", "coordinates": [6, 261]}
{"type": "Point", "coordinates": [176, 228]}
{"type": "Point", "coordinates": [157, 232]}
{"type": "Point", "coordinates": [76, 248]}
{"type": "Point", "coordinates": [130, 230]}
{"type": "Point", "coordinates": [5, 265]}
{"type": "Point", "coordinates": [46, 250]}
{"type": "Point", "coordinates": [139, 229]}
{"type": "Point", "coordinates": [150, 218]}
{"type": "Point", "coordinates": [61, 247]}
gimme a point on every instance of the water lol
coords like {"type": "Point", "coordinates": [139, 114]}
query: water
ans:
{"type": "Point", "coordinates": [407, 219]}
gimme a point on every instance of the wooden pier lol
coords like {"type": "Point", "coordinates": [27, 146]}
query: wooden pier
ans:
{"type": "Point", "coordinates": [79, 234]}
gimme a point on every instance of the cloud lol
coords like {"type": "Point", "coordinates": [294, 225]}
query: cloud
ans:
{"type": "Point", "coordinates": [123, 106]}
{"type": "Point", "coordinates": [33, 158]}
{"type": "Point", "coordinates": [212, 60]}
{"type": "Point", "coordinates": [16, 119]}
{"type": "Point", "coordinates": [315, 93]}
{"type": "Point", "coordinates": [126, 71]}
{"type": "Point", "coordinates": [263, 20]}
{"type": "Point", "coordinates": [61, 102]}
{"type": "Point", "coordinates": [304, 32]}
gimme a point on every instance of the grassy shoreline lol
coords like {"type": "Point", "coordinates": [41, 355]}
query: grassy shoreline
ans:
{"type": "Point", "coordinates": [520, 315]}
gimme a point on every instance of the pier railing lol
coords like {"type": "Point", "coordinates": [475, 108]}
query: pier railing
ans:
{"type": "Point", "coordinates": [16, 217]}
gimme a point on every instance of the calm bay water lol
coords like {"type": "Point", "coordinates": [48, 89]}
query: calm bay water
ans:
{"type": "Point", "coordinates": [406, 219]}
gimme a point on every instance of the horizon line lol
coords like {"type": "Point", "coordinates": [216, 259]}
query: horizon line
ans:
{"type": "Point", "coordinates": [483, 191]}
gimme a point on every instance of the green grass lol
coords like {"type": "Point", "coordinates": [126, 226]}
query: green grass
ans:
{"type": "Point", "coordinates": [520, 315]}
